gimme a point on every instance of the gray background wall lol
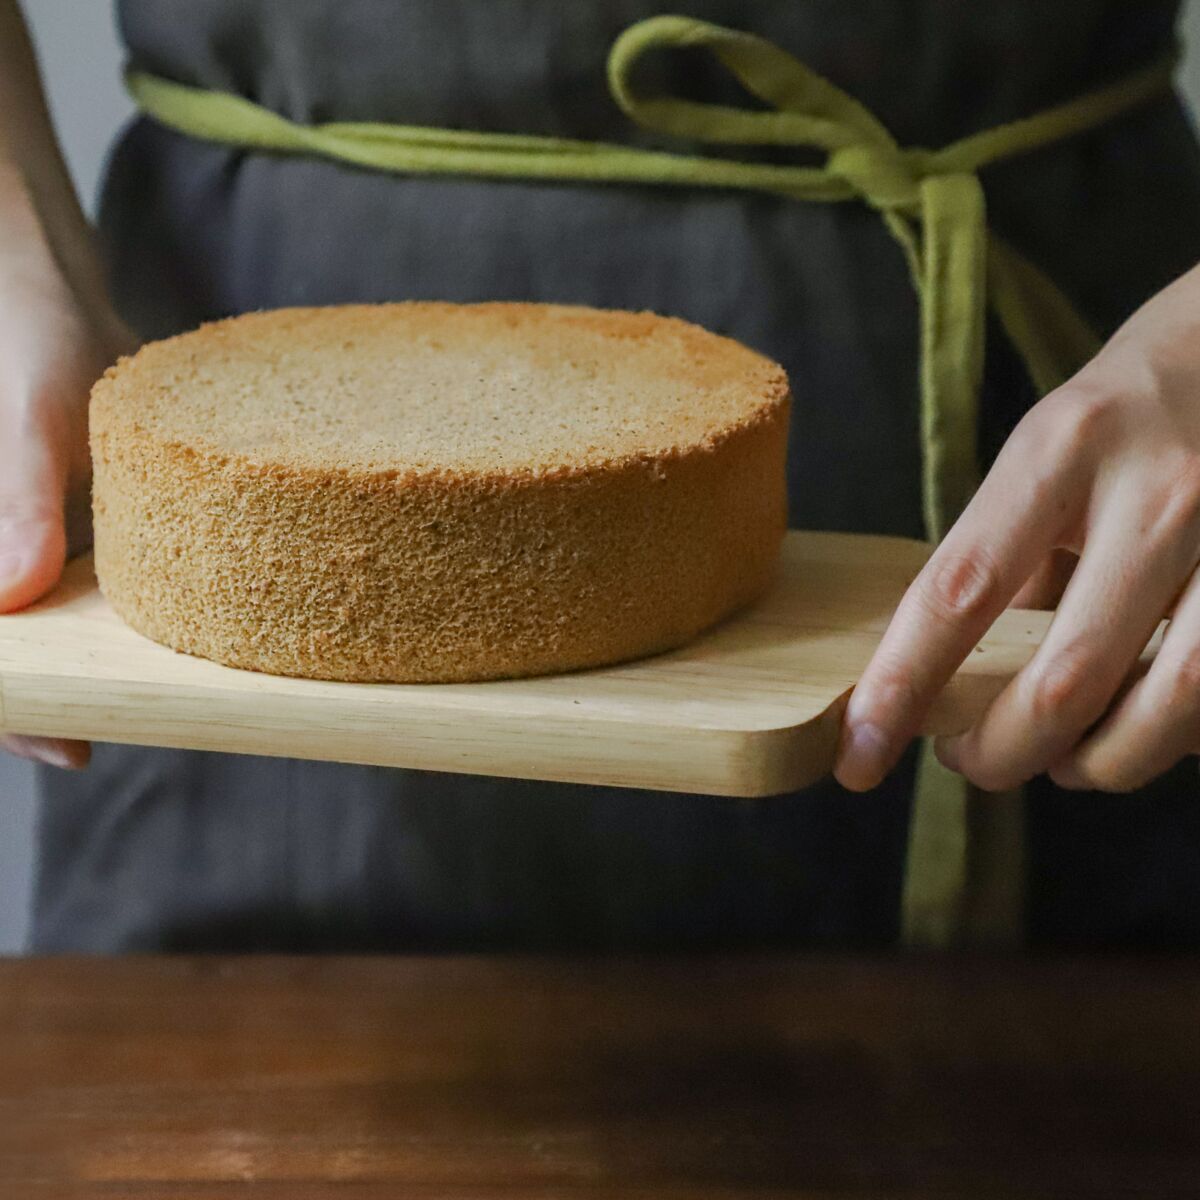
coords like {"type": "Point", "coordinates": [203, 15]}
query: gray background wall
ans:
{"type": "Point", "coordinates": [80, 57]}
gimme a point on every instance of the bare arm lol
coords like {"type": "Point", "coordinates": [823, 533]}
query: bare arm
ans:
{"type": "Point", "coordinates": [57, 334]}
{"type": "Point", "coordinates": [32, 164]}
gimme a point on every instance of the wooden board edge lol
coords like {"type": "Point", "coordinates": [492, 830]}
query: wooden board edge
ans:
{"type": "Point", "coordinates": [615, 753]}
{"type": "Point", "coordinates": [791, 757]}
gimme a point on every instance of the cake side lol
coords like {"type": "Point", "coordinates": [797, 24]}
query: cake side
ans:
{"type": "Point", "coordinates": [375, 579]}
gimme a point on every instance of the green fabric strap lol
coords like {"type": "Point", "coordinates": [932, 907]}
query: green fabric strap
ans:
{"type": "Point", "coordinates": [931, 201]}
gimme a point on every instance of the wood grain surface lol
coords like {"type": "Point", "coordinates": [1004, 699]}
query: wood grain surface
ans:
{"type": "Point", "coordinates": [610, 1080]}
{"type": "Point", "coordinates": [750, 709]}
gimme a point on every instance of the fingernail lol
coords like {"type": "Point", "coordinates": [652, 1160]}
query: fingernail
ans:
{"type": "Point", "coordinates": [37, 750]}
{"type": "Point", "coordinates": [866, 751]}
{"type": "Point", "coordinates": [10, 567]}
{"type": "Point", "coordinates": [52, 756]}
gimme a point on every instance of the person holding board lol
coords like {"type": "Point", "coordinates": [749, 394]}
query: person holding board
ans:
{"type": "Point", "coordinates": [976, 263]}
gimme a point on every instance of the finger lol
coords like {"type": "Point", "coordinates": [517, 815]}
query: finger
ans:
{"type": "Point", "coordinates": [1140, 548]}
{"type": "Point", "coordinates": [55, 752]}
{"type": "Point", "coordinates": [995, 545]}
{"type": "Point", "coordinates": [1156, 723]}
{"type": "Point", "coordinates": [32, 537]}
{"type": "Point", "coordinates": [1045, 587]}
{"type": "Point", "coordinates": [32, 551]}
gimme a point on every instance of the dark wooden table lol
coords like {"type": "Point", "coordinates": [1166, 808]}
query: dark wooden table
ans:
{"type": "Point", "coordinates": [456, 1078]}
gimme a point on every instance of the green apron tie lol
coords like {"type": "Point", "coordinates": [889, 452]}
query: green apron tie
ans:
{"type": "Point", "coordinates": [930, 200]}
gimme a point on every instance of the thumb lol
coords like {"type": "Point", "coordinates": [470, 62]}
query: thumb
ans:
{"type": "Point", "coordinates": [32, 552]}
{"type": "Point", "coordinates": [32, 535]}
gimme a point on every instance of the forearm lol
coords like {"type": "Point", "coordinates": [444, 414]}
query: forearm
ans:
{"type": "Point", "coordinates": [40, 216]}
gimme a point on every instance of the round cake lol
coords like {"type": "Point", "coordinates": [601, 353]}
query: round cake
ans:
{"type": "Point", "coordinates": [436, 492]}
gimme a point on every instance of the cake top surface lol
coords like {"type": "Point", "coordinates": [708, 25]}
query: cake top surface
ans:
{"type": "Point", "coordinates": [432, 387]}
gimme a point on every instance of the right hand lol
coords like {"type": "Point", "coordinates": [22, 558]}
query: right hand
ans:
{"type": "Point", "coordinates": [56, 339]}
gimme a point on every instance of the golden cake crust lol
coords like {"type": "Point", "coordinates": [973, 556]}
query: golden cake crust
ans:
{"type": "Point", "coordinates": [433, 492]}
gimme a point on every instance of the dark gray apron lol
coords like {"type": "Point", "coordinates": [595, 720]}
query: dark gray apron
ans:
{"type": "Point", "coordinates": [159, 849]}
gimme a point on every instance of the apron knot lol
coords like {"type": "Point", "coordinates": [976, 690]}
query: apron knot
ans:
{"type": "Point", "coordinates": [883, 176]}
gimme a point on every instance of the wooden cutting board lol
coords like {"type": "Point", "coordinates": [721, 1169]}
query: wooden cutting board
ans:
{"type": "Point", "coordinates": [750, 709]}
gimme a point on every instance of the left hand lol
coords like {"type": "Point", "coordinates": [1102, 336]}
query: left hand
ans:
{"type": "Point", "coordinates": [1105, 469]}
{"type": "Point", "coordinates": [57, 335]}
